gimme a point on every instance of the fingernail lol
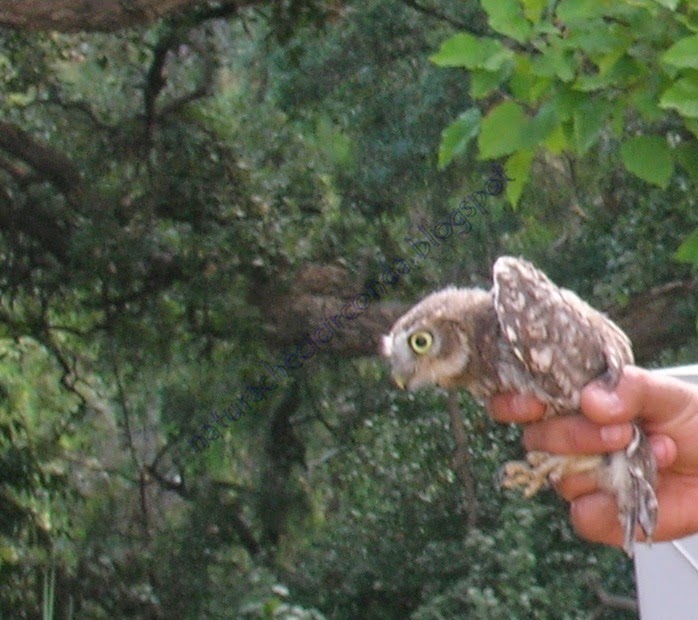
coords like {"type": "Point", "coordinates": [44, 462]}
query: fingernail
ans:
{"type": "Point", "coordinates": [518, 404]}
{"type": "Point", "coordinates": [613, 433]}
{"type": "Point", "coordinates": [521, 405]}
{"type": "Point", "coordinates": [611, 403]}
{"type": "Point", "coordinates": [607, 381]}
{"type": "Point", "coordinates": [660, 451]}
{"type": "Point", "coordinates": [661, 447]}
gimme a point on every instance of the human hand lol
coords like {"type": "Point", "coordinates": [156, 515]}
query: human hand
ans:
{"type": "Point", "coordinates": [667, 410]}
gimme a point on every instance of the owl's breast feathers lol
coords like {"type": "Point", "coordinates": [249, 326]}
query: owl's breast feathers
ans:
{"type": "Point", "coordinates": [527, 335]}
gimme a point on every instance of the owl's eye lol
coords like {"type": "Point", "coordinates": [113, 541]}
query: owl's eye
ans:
{"type": "Point", "coordinates": [420, 342]}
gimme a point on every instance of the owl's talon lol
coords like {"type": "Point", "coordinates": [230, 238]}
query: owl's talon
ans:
{"type": "Point", "coordinates": [528, 336]}
{"type": "Point", "coordinates": [542, 468]}
{"type": "Point", "coordinates": [532, 474]}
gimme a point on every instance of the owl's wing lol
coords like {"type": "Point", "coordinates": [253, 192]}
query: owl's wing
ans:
{"type": "Point", "coordinates": [561, 340]}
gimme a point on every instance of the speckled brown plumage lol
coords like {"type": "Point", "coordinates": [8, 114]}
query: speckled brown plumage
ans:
{"type": "Point", "coordinates": [530, 336]}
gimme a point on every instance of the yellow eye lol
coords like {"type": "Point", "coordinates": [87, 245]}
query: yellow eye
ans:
{"type": "Point", "coordinates": [420, 342]}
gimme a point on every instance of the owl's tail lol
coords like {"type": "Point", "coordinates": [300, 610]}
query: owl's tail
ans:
{"type": "Point", "coordinates": [634, 472]}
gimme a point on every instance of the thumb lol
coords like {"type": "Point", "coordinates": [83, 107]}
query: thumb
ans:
{"type": "Point", "coordinates": [639, 393]}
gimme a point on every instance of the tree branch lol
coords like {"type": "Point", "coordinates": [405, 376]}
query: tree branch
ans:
{"type": "Point", "coordinates": [106, 15]}
{"type": "Point", "coordinates": [199, 93]}
{"type": "Point", "coordinates": [436, 14]}
{"type": "Point", "coordinates": [36, 225]}
{"type": "Point", "coordinates": [323, 296]}
{"type": "Point", "coordinates": [47, 162]}
{"type": "Point", "coordinates": [606, 599]}
{"type": "Point", "coordinates": [658, 318]}
{"type": "Point", "coordinates": [461, 458]}
{"type": "Point", "coordinates": [155, 79]}
{"type": "Point", "coordinates": [79, 106]}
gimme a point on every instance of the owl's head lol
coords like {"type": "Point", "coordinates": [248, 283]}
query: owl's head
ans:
{"type": "Point", "coordinates": [432, 344]}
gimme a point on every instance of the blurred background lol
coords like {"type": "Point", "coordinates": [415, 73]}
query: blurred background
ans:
{"type": "Point", "coordinates": [188, 189]}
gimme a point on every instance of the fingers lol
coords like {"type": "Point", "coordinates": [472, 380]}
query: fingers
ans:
{"type": "Point", "coordinates": [639, 393]}
{"type": "Point", "coordinates": [576, 485]}
{"type": "Point", "coordinates": [666, 409]}
{"type": "Point", "coordinates": [594, 516]}
{"type": "Point", "coordinates": [576, 435]}
{"type": "Point", "coordinates": [665, 450]}
{"type": "Point", "coordinates": [513, 407]}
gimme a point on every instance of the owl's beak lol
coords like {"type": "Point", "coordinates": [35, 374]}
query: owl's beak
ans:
{"type": "Point", "coordinates": [399, 381]}
{"type": "Point", "coordinates": [385, 347]}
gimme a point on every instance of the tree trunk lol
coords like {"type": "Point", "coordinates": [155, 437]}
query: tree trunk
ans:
{"type": "Point", "coordinates": [74, 15]}
{"type": "Point", "coordinates": [461, 459]}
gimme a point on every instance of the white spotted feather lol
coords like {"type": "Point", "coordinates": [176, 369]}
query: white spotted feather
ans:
{"type": "Point", "coordinates": [528, 335]}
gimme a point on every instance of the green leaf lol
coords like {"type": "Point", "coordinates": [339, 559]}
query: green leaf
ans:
{"type": "Point", "coordinates": [682, 96]}
{"type": "Point", "coordinates": [591, 83]}
{"type": "Point", "coordinates": [556, 143]}
{"type": "Point", "coordinates": [688, 250]}
{"type": "Point", "coordinates": [607, 61]}
{"type": "Point", "coordinates": [482, 83]}
{"type": "Point", "coordinates": [541, 126]}
{"type": "Point", "coordinates": [580, 11]}
{"type": "Point", "coordinates": [646, 101]}
{"type": "Point", "coordinates": [615, 70]}
{"type": "Point", "coordinates": [555, 62]}
{"type": "Point", "coordinates": [518, 168]}
{"type": "Point", "coordinates": [465, 50]}
{"type": "Point", "coordinates": [588, 120]}
{"type": "Point", "coordinates": [692, 126]}
{"type": "Point", "coordinates": [499, 60]}
{"type": "Point", "coordinates": [687, 156]}
{"type": "Point", "coordinates": [684, 53]}
{"type": "Point", "coordinates": [506, 17]}
{"type": "Point", "coordinates": [595, 41]}
{"type": "Point", "coordinates": [627, 71]}
{"type": "Point", "coordinates": [533, 9]}
{"type": "Point", "coordinates": [690, 21]}
{"type": "Point", "coordinates": [567, 101]}
{"type": "Point", "coordinates": [21, 100]}
{"type": "Point", "coordinates": [335, 145]}
{"type": "Point", "coordinates": [501, 132]}
{"type": "Point", "coordinates": [649, 158]}
{"type": "Point", "coordinates": [457, 136]}
{"type": "Point", "coordinates": [526, 86]}
{"type": "Point", "coordinates": [669, 4]}
{"type": "Point", "coordinates": [617, 123]}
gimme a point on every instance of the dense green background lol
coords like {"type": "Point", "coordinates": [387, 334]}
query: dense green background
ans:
{"type": "Point", "coordinates": [177, 203]}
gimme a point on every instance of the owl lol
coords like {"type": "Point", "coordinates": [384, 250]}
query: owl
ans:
{"type": "Point", "coordinates": [528, 335]}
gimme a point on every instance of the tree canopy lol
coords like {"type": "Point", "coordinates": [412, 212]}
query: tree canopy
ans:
{"type": "Point", "coordinates": [194, 195]}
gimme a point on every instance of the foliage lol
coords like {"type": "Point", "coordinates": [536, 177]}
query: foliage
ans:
{"type": "Point", "coordinates": [563, 76]}
{"type": "Point", "coordinates": [164, 187]}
